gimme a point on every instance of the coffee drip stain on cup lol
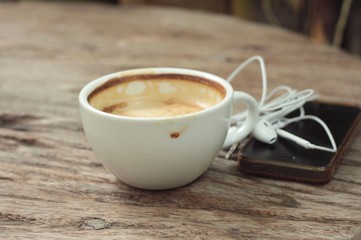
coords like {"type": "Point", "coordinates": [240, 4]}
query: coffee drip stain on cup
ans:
{"type": "Point", "coordinates": [174, 134]}
{"type": "Point", "coordinates": [177, 134]}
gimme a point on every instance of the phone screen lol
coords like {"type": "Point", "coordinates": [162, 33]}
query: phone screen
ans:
{"type": "Point", "coordinates": [289, 160]}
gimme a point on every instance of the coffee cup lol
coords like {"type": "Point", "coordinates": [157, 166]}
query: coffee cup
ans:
{"type": "Point", "coordinates": [161, 128]}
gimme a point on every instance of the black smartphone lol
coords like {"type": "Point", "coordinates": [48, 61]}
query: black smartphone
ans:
{"type": "Point", "coordinates": [287, 160]}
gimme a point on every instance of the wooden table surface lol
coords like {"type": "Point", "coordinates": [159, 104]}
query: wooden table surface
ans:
{"type": "Point", "coordinates": [53, 187]}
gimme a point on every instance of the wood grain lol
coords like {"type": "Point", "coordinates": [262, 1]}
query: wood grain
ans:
{"type": "Point", "coordinates": [53, 187]}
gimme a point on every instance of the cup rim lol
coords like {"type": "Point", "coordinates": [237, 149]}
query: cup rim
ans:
{"type": "Point", "coordinates": [92, 85]}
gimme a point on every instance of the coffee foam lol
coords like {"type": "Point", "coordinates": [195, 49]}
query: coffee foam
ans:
{"type": "Point", "coordinates": [156, 95]}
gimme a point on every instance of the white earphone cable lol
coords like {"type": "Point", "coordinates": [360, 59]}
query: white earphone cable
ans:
{"type": "Point", "coordinates": [266, 103]}
{"type": "Point", "coordinates": [274, 106]}
{"type": "Point", "coordinates": [282, 124]}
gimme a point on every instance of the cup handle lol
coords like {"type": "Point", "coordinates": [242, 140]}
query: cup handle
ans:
{"type": "Point", "coordinates": [240, 132]}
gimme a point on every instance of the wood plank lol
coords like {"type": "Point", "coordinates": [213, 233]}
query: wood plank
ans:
{"type": "Point", "coordinates": [53, 187]}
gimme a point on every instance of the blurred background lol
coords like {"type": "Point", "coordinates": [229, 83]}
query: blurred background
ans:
{"type": "Point", "coordinates": [334, 22]}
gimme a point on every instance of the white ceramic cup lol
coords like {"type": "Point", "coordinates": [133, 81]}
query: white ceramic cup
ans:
{"type": "Point", "coordinates": [141, 151]}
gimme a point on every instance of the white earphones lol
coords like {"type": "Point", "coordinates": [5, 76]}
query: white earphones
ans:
{"type": "Point", "coordinates": [265, 132]}
{"type": "Point", "coordinates": [273, 109]}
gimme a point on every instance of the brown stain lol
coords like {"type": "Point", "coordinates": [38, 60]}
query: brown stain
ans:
{"type": "Point", "coordinates": [169, 76]}
{"type": "Point", "coordinates": [174, 134]}
{"type": "Point", "coordinates": [178, 133]}
{"type": "Point", "coordinates": [169, 101]}
{"type": "Point", "coordinates": [111, 108]}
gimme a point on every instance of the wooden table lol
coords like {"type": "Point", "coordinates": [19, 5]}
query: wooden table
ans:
{"type": "Point", "coordinates": [53, 187]}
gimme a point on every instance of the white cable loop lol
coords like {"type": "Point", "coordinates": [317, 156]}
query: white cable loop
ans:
{"type": "Point", "coordinates": [275, 105]}
{"type": "Point", "coordinates": [282, 124]}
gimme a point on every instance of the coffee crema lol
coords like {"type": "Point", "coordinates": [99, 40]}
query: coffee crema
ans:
{"type": "Point", "coordinates": [156, 95]}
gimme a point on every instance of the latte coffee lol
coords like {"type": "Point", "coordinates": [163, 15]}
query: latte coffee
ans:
{"type": "Point", "coordinates": [156, 95]}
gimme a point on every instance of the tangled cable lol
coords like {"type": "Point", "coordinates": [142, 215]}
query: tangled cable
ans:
{"type": "Point", "coordinates": [274, 106]}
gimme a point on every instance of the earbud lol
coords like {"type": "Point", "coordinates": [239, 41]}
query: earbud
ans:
{"type": "Point", "coordinates": [265, 132]}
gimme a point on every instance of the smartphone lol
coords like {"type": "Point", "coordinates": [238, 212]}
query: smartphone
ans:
{"type": "Point", "coordinates": [287, 160]}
